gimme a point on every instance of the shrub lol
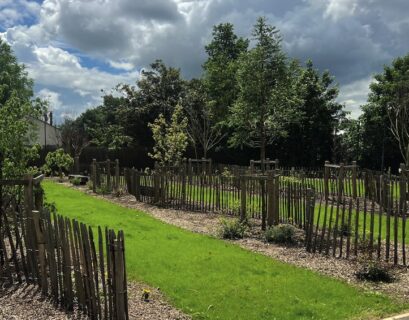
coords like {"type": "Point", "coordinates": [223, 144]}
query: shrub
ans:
{"type": "Point", "coordinates": [345, 230]}
{"type": "Point", "coordinates": [103, 189]}
{"type": "Point", "coordinates": [57, 161]}
{"type": "Point", "coordinates": [89, 184]}
{"type": "Point", "coordinates": [76, 181]}
{"type": "Point", "coordinates": [283, 233]}
{"type": "Point", "coordinates": [232, 229]}
{"type": "Point", "coordinates": [375, 271]}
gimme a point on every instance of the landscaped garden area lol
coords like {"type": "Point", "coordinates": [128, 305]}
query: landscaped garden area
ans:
{"type": "Point", "coordinates": [158, 198]}
{"type": "Point", "coordinates": [212, 279]}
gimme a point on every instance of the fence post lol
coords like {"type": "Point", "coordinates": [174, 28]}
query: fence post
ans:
{"type": "Point", "coordinates": [354, 177]}
{"type": "Point", "coordinates": [120, 279]}
{"type": "Point", "coordinates": [252, 166]}
{"type": "Point", "coordinates": [77, 164]}
{"type": "Point", "coordinates": [270, 200]}
{"type": "Point", "coordinates": [116, 175]}
{"type": "Point", "coordinates": [309, 219]}
{"type": "Point", "coordinates": [276, 163]}
{"type": "Point", "coordinates": [132, 181]}
{"type": "Point", "coordinates": [402, 183]}
{"type": "Point", "coordinates": [341, 180]}
{"type": "Point", "coordinates": [108, 169]}
{"type": "Point", "coordinates": [243, 211]}
{"type": "Point", "coordinates": [94, 175]}
{"type": "Point", "coordinates": [276, 214]}
{"type": "Point", "coordinates": [137, 184]}
{"type": "Point", "coordinates": [41, 251]}
{"type": "Point", "coordinates": [156, 186]}
{"type": "Point", "coordinates": [326, 180]}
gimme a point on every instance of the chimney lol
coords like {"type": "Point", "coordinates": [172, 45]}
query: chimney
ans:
{"type": "Point", "coordinates": [51, 118]}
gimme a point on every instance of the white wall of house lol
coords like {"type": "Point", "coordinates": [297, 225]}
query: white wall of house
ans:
{"type": "Point", "coordinates": [45, 134]}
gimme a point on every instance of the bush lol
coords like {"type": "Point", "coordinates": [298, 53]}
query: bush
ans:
{"type": "Point", "coordinates": [103, 189]}
{"type": "Point", "coordinates": [56, 162]}
{"type": "Point", "coordinates": [232, 229]}
{"type": "Point", "coordinates": [76, 181]}
{"type": "Point", "coordinates": [375, 271]}
{"type": "Point", "coordinates": [345, 230]}
{"type": "Point", "coordinates": [283, 233]}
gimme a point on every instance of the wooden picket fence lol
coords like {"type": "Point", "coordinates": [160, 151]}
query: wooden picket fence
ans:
{"type": "Point", "coordinates": [62, 256]}
{"type": "Point", "coordinates": [345, 211]}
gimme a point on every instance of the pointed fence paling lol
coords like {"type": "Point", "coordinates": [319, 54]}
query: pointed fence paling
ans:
{"type": "Point", "coordinates": [71, 264]}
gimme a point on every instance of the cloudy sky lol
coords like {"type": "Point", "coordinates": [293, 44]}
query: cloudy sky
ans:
{"type": "Point", "coordinates": [73, 49]}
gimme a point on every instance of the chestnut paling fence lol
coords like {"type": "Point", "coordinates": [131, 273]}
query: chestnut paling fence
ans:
{"type": "Point", "coordinates": [344, 211]}
{"type": "Point", "coordinates": [70, 264]}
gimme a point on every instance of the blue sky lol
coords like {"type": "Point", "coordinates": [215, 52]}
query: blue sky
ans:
{"type": "Point", "coordinates": [73, 49]}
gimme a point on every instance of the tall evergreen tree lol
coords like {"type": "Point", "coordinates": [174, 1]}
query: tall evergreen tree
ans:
{"type": "Point", "coordinates": [220, 68]}
{"type": "Point", "coordinates": [267, 92]}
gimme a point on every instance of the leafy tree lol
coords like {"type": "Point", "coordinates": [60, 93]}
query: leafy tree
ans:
{"type": "Point", "coordinates": [268, 92]}
{"type": "Point", "coordinates": [170, 139]}
{"type": "Point", "coordinates": [202, 128]}
{"type": "Point", "coordinates": [379, 147]}
{"type": "Point", "coordinates": [74, 137]}
{"type": "Point", "coordinates": [158, 91]}
{"type": "Point", "coordinates": [311, 139]}
{"type": "Point", "coordinates": [390, 92]}
{"type": "Point", "coordinates": [351, 141]}
{"type": "Point", "coordinates": [57, 161]}
{"type": "Point", "coordinates": [220, 68]}
{"type": "Point", "coordinates": [111, 136]}
{"type": "Point", "coordinates": [16, 108]}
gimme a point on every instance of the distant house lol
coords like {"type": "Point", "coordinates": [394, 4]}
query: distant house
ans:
{"type": "Point", "coordinates": [46, 134]}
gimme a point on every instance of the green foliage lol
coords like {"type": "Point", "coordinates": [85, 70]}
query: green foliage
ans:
{"type": "Point", "coordinates": [111, 136]}
{"type": "Point", "coordinates": [16, 108]}
{"type": "Point", "coordinates": [203, 129]}
{"type": "Point", "coordinates": [170, 139]}
{"type": "Point", "coordinates": [220, 69]}
{"type": "Point", "coordinates": [267, 92]}
{"type": "Point", "coordinates": [374, 271]}
{"type": "Point", "coordinates": [232, 229]}
{"type": "Point", "coordinates": [390, 93]}
{"type": "Point", "coordinates": [282, 234]}
{"type": "Point", "coordinates": [103, 189]}
{"type": "Point", "coordinates": [311, 138]}
{"type": "Point", "coordinates": [57, 161]}
{"type": "Point", "coordinates": [76, 181]}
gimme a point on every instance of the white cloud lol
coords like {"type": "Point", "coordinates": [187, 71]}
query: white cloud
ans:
{"type": "Point", "coordinates": [351, 38]}
{"type": "Point", "coordinates": [52, 97]}
{"type": "Point", "coordinates": [354, 95]}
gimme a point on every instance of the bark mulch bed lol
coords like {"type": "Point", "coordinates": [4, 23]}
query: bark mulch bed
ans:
{"type": "Point", "coordinates": [26, 302]}
{"type": "Point", "coordinates": [209, 223]}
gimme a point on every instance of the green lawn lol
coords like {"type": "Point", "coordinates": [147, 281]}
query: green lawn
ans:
{"type": "Point", "coordinates": [211, 279]}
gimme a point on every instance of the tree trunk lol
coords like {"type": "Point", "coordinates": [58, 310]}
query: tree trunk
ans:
{"type": "Point", "coordinates": [407, 156]}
